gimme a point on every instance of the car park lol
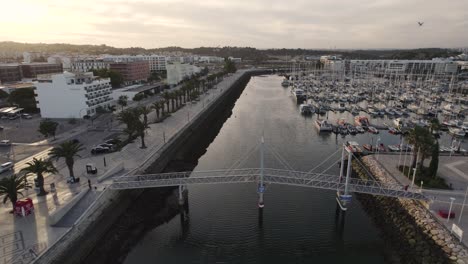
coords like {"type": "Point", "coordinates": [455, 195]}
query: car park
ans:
{"type": "Point", "coordinates": [99, 150]}
{"type": "Point", "coordinates": [6, 166]}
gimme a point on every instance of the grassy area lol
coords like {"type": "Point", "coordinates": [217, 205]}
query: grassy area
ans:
{"type": "Point", "coordinates": [423, 175]}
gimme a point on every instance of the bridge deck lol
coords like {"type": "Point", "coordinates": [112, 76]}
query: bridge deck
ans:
{"type": "Point", "coordinates": [273, 176]}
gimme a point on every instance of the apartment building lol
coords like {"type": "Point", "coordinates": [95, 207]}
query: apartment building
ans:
{"type": "Point", "coordinates": [404, 66]}
{"type": "Point", "coordinates": [13, 72]}
{"type": "Point", "coordinates": [132, 71]}
{"type": "Point", "coordinates": [89, 64]}
{"type": "Point", "coordinates": [79, 94]}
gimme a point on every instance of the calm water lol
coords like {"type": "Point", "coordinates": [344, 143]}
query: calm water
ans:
{"type": "Point", "coordinates": [298, 224]}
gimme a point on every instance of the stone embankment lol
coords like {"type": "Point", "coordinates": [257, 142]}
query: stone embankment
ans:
{"type": "Point", "coordinates": [418, 237]}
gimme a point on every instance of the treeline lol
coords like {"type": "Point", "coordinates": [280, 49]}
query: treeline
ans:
{"type": "Point", "coordinates": [246, 53]}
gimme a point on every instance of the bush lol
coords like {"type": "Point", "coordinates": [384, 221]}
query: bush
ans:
{"type": "Point", "coordinates": [425, 176]}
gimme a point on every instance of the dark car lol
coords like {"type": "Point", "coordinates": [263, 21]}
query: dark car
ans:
{"type": "Point", "coordinates": [113, 141]}
{"type": "Point", "coordinates": [99, 150]}
{"type": "Point", "coordinates": [75, 141]}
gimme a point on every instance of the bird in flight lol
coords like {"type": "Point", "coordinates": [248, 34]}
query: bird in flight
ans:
{"type": "Point", "coordinates": [421, 23]}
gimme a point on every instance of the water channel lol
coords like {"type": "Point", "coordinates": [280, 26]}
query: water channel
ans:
{"type": "Point", "coordinates": [298, 225]}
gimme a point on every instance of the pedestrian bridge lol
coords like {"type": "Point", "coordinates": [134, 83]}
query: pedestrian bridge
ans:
{"type": "Point", "coordinates": [270, 176]}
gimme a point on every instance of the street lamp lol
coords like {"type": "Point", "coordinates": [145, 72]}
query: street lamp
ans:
{"type": "Point", "coordinates": [414, 176]}
{"type": "Point", "coordinates": [450, 209]}
{"type": "Point", "coordinates": [377, 147]}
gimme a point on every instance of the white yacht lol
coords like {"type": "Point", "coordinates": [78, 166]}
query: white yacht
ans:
{"type": "Point", "coordinates": [457, 132]}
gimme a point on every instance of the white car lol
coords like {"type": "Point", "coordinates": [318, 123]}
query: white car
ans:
{"type": "Point", "coordinates": [6, 166]}
{"type": "Point", "coordinates": [5, 142]}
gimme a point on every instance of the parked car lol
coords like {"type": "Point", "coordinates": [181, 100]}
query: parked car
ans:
{"type": "Point", "coordinates": [4, 117]}
{"type": "Point", "coordinates": [5, 142]}
{"type": "Point", "coordinates": [13, 117]}
{"type": "Point", "coordinates": [75, 141]}
{"type": "Point", "coordinates": [99, 150]}
{"type": "Point", "coordinates": [113, 141]}
{"type": "Point", "coordinates": [106, 145]}
{"type": "Point", "coordinates": [26, 116]}
{"type": "Point", "coordinates": [6, 166]}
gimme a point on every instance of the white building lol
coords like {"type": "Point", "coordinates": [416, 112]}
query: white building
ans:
{"type": "Point", "coordinates": [88, 64]}
{"type": "Point", "coordinates": [435, 66]}
{"type": "Point", "coordinates": [177, 71]}
{"type": "Point", "coordinates": [72, 95]}
{"type": "Point", "coordinates": [156, 62]}
{"type": "Point", "coordinates": [65, 61]}
{"type": "Point", "coordinates": [332, 63]}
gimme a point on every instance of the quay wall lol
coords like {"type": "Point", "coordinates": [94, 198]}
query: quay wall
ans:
{"type": "Point", "coordinates": [416, 235]}
{"type": "Point", "coordinates": [87, 233]}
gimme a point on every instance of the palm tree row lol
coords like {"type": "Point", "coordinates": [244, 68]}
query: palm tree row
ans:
{"type": "Point", "coordinates": [12, 186]}
{"type": "Point", "coordinates": [136, 121]}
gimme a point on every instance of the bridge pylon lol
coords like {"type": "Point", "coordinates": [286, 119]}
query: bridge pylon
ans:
{"type": "Point", "coordinates": [343, 199]}
{"type": "Point", "coordinates": [261, 185]}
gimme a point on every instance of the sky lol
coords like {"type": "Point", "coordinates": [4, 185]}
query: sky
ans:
{"type": "Point", "coordinates": [314, 24]}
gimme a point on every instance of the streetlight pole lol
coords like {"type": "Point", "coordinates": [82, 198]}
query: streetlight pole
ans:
{"type": "Point", "coordinates": [377, 147]}
{"type": "Point", "coordinates": [450, 209]}
{"type": "Point", "coordinates": [463, 206]}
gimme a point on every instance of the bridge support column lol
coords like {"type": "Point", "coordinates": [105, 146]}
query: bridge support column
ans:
{"type": "Point", "coordinates": [344, 199]}
{"type": "Point", "coordinates": [261, 186]}
{"type": "Point", "coordinates": [181, 195]}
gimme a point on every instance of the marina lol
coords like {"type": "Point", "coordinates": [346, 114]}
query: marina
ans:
{"type": "Point", "coordinates": [369, 102]}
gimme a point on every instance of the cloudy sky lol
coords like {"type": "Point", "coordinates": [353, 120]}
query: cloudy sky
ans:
{"type": "Point", "coordinates": [255, 23]}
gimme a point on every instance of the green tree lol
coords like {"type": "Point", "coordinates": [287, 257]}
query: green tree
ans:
{"type": "Point", "coordinates": [11, 186]}
{"type": "Point", "coordinates": [116, 78]}
{"type": "Point", "coordinates": [128, 118]}
{"type": "Point", "coordinates": [157, 106]}
{"type": "Point", "coordinates": [39, 167]}
{"type": "Point", "coordinates": [24, 98]}
{"type": "Point", "coordinates": [422, 141]}
{"type": "Point", "coordinates": [138, 97]}
{"type": "Point", "coordinates": [3, 94]}
{"type": "Point", "coordinates": [145, 111]}
{"type": "Point", "coordinates": [140, 128]}
{"type": "Point", "coordinates": [434, 125]}
{"type": "Point", "coordinates": [67, 150]}
{"type": "Point", "coordinates": [48, 128]}
{"type": "Point", "coordinates": [434, 164]}
{"type": "Point", "coordinates": [167, 98]}
{"type": "Point", "coordinates": [122, 101]}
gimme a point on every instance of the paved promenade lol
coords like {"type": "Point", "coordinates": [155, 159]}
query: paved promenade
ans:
{"type": "Point", "coordinates": [455, 172]}
{"type": "Point", "coordinates": [21, 239]}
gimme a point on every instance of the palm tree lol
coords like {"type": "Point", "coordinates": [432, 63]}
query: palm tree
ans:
{"type": "Point", "coordinates": [67, 150]}
{"type": "Point", "coordinates": [140, 130]}
{"type": "Point", "coordinates": [145, 111]}
{"type": "Point", "coordinates": [172, 97]}
{"type": "Point", "coordinates": [434, 125]}
{"type": "Point", "coordinates": [161, 103]}
{"type": "Point", "coordinates": [157, 106]}
{"type": "Point", "coordinates": [11, 187]}
{"type": "Point", "coordinates": [167, 97]}
{"type": "Point", "coordinates": [422, 141]}
{"type": "Point", "coordinates": [128, 118]}
{"type": "Point", "coordinates": [39, 167]}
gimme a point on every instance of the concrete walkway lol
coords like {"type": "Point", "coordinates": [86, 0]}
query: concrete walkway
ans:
{"type": "Point", "coordinates": [455, 172]}
{"type": "Point", "coordinates": [22, 238]}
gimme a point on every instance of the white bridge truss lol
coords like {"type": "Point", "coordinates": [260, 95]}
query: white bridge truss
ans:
{"type": "Point", "coordinates": [270, 176]}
